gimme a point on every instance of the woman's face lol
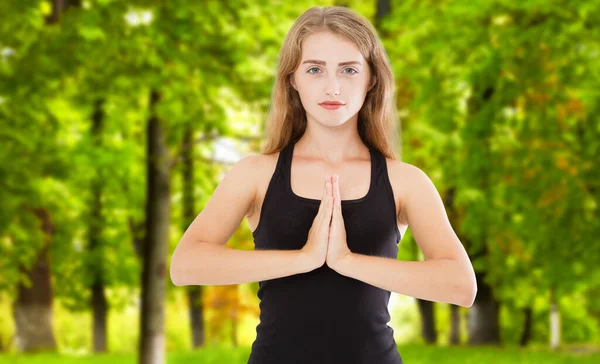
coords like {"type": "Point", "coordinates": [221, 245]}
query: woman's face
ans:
{"type": "Point", "coordinates": [320, 78]}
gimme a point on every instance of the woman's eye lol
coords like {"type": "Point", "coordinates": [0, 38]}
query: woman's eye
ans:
{"type": "Point", "coordinates": [315, 68]}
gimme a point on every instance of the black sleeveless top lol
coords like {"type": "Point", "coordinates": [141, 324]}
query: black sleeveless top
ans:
{"type": "Point", "coordinates": [322, 316]}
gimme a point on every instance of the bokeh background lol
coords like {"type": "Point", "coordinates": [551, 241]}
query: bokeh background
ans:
{"type": "Point", "coordinates": [119, 118]}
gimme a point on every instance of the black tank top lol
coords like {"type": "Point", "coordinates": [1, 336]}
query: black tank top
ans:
{"type": "Point", "coordinates": [322, 316]}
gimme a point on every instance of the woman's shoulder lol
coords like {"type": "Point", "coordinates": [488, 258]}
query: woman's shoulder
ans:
{"type": "Point", "coordinates": [405, 178]}
{"type": "Point", "coordinates": [261, 169]}
{"type": "Point", "coordinates": [265, 162]}
{"type": "Point", "coordinates": [404, 169]}
{"type": "Point", "coordinates": [260, 161]}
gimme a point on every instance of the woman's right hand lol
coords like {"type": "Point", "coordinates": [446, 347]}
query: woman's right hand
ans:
{"type": "Point", "coordinates": [315, 249]}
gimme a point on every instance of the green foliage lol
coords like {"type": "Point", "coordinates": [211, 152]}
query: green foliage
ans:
{"type": "Point", "coordinates": [498, 102]}
{"type": "Point", "coordinates": [500, 107]}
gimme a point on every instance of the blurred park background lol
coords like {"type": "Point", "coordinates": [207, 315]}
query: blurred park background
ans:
{"type": "Point", "coordinates": [119, 118]}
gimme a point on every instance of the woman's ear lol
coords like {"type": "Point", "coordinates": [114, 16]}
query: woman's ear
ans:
{"type": "Point", "coordinates": [292, 82]}
{"type": "Point", "coordinates": [373, 81]}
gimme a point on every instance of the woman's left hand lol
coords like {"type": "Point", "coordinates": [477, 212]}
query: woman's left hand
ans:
{"type": "Point", "coordinates": [337, 248]}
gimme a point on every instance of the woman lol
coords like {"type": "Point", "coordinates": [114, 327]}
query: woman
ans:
{"type": "Point", "coordinates": [327, 202]}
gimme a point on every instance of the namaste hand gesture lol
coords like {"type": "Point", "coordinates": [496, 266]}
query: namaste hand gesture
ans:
{"type": "Point", "coordinates": [327, 236]}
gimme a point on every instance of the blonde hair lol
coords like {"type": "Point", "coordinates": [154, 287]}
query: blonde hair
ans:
{"type": "Point", "coordinates": [377, 119]}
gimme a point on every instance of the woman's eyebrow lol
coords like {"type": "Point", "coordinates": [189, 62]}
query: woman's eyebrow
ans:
{"type": "Point", "coordinates": [316, 61]}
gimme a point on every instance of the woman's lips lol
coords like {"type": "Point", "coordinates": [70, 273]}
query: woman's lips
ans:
{"type": "Point", "coordinates": [332, 106]}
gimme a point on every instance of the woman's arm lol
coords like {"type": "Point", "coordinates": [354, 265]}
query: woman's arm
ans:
{"type": "Point", "coordinates": [447, 274]}
{"type": "Point", "coordinates": [201, 257]}
{"type": "Point", "coordinates": [201, 263]}
{"type": "Point", "coordinates": [438, 280]}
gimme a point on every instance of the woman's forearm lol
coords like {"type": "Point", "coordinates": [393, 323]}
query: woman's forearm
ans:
{"type": "Point", "coordinates": [438, 280]}
{"type": "Point", "coordinates": [199, 263]}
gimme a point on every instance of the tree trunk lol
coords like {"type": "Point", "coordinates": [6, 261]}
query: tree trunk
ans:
{"type": "Point", "coordinates": [196, 316]}
{"type": "Point", "coordinates": [152, 343]}
{"type": "Point", "coordinates": [526, 334]}
{"type": "Point", "coordinates": [554, 321]}
{"type": "Point", "coordinates": [426, 308]}
{"type": "Point", "coordinates": [454, 325]}
{"type": "Point", "coordinates": [33, 307]}
{"type": "Point", "coordinates": [100, 309]}
{"type": "Point", "coordinates": [189, 214]}
{"type": "Point", "coordinates": [483, 316]}
{"type": "Point", "coordinates": [58, 8]}
{"type": "Point", "coordinates": [234, 326]}
{"type": "Point", "coordinates": [453, 217]}
{"type": "Point", "coordinates": [98, 301]}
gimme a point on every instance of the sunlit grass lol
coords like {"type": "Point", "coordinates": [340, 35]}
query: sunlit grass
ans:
{"type": "Point", "coordinates": [413, 354]}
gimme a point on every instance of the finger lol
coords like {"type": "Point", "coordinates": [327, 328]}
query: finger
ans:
{"type": "Point", "coordinates": [339, 216]}
{"type": "Point", "coordinates": [331, 202]}
{"type": "Point", "coordinates": [327, 213]}
{"type": "Point", "coordinates": [325, 216]}
{"type": "Point", "coordinates": [338, 202]}
{"type": "Point", "coordinates": [323, 203]}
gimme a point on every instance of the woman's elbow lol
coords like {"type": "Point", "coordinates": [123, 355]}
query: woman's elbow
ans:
{"type": "Point", "coordinates": [175, 270]}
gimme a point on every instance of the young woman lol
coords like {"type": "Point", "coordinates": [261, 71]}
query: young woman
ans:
{"type": "Point", "coordinates": [327, 203]}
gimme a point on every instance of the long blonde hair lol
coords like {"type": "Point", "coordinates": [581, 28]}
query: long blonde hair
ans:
{"type": "Point", "coordinates": [377, 119]}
